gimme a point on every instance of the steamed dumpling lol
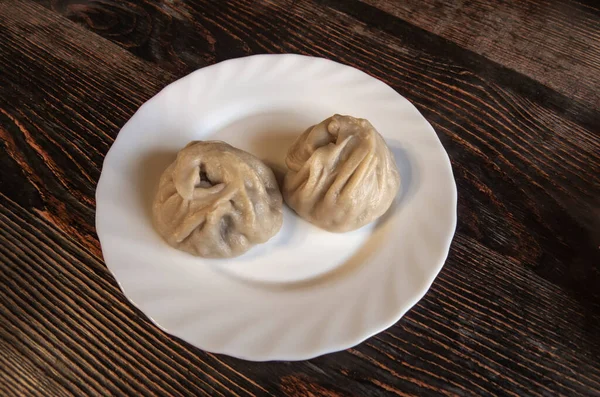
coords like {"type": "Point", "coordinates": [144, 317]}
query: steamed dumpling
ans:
{"type": "Point", "coordinates": [217, 201]}
{"type": "Point", "coordinates": [341, 174]}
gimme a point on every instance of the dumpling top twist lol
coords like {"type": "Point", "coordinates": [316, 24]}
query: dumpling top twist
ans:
{"type": "Point", "coordinates": [217, 201]}
{"type": "Point", "coordinates": [341, 174]}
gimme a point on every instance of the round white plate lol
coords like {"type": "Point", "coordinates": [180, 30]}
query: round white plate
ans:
{"type": "Point", "coordinates": [306, 292]}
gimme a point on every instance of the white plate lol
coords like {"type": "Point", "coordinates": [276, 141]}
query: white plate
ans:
{"type": "Point", "coordinates": [307, 291]}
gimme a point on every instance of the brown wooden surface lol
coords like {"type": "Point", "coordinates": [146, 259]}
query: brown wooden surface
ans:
{"type": "Point", "coordinates": [516, 308]}
{"type": "Point", "coordinates": [554, 42]}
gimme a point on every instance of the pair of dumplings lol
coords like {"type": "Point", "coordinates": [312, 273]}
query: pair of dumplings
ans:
{"type": "Point", "coordinates": [217, 201]}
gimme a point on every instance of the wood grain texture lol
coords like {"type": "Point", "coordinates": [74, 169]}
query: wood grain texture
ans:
{"type": "Point", "coordinates": [527, 36]}
{"type": "Point", "coordinates": [515, 311]}
{"type": "Point", "coordinates": [179, 36]}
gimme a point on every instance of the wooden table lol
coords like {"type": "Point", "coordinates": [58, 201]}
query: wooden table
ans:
{"type": "Point", "coordinates": [512, 89]}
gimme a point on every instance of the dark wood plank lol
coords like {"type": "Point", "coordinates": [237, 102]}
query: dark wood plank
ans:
{"type": "Point", "coordinates": [179, 37]}
{"type": "Point", "coordinates": [527, 36]}
{"type": "Point", "coordinates": [515, 310]}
